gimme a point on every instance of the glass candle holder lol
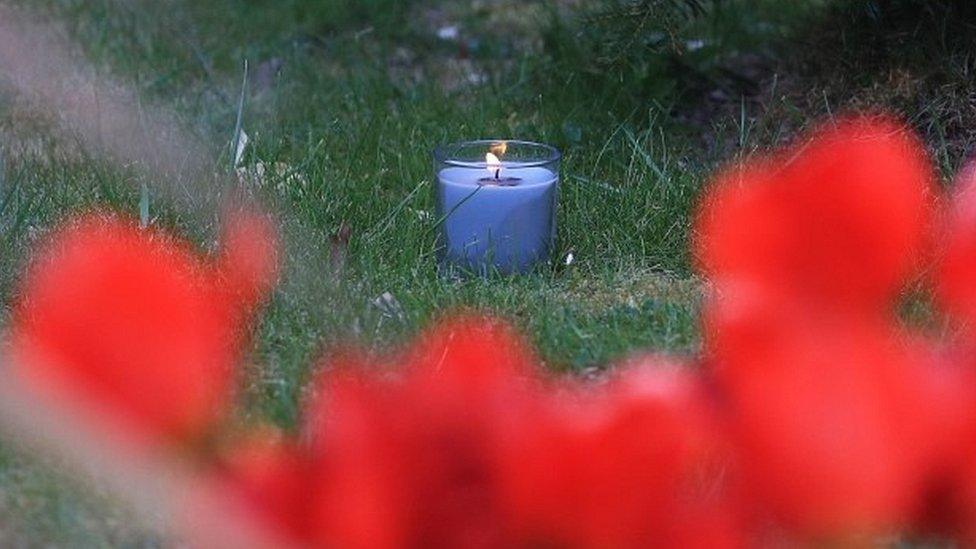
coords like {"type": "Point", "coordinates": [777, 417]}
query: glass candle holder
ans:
{"type": "Point", "coordinates": [496, 204]}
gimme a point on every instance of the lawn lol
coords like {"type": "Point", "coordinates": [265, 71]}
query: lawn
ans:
{"type": "Point", "coordinates": [346, 101]}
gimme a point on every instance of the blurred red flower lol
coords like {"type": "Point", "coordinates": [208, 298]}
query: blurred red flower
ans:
{"type": "Point", "coordinates": [828, 407]}
{"type": "Point", "coordinates": [135, 326]}
{"type": "Point", "coordinates": [459, 442]}
{"type": "Point", "coordinates": [831, 427]}
{"type": "Point", "coordinates": [839, 220]}
{"type": "Point", "coordinates": [408, 461]}
{"type": "Point", "coordinates": [636, 464]}
{"type": "Point", "coordinates": [268, 479]}
{"type": "Point", "coordinates": [956, 271]}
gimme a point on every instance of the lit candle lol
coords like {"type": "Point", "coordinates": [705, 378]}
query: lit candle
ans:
{"type": "Point", "coordinates": [496, 203]}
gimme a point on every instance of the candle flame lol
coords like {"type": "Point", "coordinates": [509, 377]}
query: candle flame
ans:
{"type": "Point", "coordinates": [494, 165]}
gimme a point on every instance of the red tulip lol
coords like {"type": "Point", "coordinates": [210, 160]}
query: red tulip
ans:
{"type": "Point", "coordinates": [631, 467]}
{"type": "Point", "coordinates": [467, 447]}
{"type": "Point", "coordinates": [130, 323]}
{"type": "Point", "coordinates": [268, 478]}
{"type": "Point", "coordinates": [957, 268]}
{"type": "Point", "coordinates": [408, 461]}
{"type": "Point", "coordinates": [954, 511]}
{"type": "Point", "coordinates": [831, 425]}
{"type": "Point", "coordinates": [947, 506]}
{"type": "Point", "coordinates": [838, 220]}
{"type": "Point", "coordinates": [829, 412]}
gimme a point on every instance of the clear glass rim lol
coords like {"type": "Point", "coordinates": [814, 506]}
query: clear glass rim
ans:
{"type": "Point", "coordinates": [443, 153]}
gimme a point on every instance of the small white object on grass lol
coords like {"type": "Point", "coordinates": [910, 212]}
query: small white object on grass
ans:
{"type": "Point", "coordinates": [422, 215]}
{"type": "Point", "coordinates": [448, 32]}
{"type": "Point", "coordinates": [283, 175]}
{"type": "Point", "coordinates": [389, 306]}
{"type": "Point", "coordinates": [241, 147]}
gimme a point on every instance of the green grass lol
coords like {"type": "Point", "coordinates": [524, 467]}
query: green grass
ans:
{"type": "Point", "coordinates": [358, 107]}
{"type": "Point", "coordinates": [365, 92]}
{"type": "Point", "coordinates": [358, 141]}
